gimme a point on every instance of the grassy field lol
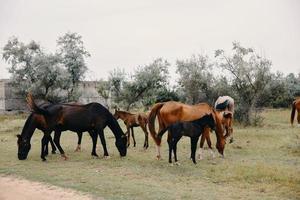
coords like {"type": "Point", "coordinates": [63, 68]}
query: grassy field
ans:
{"type": "Point", "coordinates": [262, 163]}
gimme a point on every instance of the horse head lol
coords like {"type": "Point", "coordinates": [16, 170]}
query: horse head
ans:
{"type": "Point", "coordinates": [219, 133]}
{"type": "Point", "coordinates": [121, 144]}
{"type": "Point", "coordinates": [24, 147]}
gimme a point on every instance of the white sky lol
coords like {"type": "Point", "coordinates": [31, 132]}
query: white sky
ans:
{"type": "Point", "coordinates": [130, 33]}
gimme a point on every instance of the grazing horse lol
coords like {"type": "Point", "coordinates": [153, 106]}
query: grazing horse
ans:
{"type": "Point", "coordinates": [226, 120]}
{"type": "Point", "coordinates": [133, 120]}
{"type": "Point", "coordinates": [171, 112]}
{"type": "Point", "coordinates": [226, 103]}
{"type": "Point", "coordinates": [192, 129]}
{"type": "Point", "coordinates": [92, 117]}
{"type": "Point", "coordinates": [45, 104]}
{"type": "Point", "coordinates": [295, 106]}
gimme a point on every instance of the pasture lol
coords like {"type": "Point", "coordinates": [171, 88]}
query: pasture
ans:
{"type": "Point", "coordinates": [262, 163]}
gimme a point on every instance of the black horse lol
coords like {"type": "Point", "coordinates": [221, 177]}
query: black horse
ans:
{"type": "Point", "coordinates": [192, 129]}
{"type": "Point", "coordinates": [92, 118]}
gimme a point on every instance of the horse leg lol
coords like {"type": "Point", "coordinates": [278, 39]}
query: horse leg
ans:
{"type": "Point", "coordinates": [128, 136]}
{"type": "Point", "coordinates": [146, 145]}
{"type": "Point", "coordinates": [94, 136]}
{"type": "Point", "coordinates": [46, 147]}
{"type": "Point", "coordinates": [78, 148]}
{"type": "Point", "coordinates": [194, 141]}
{"type": "Point", "coordinates": [52, 146]}
{"type": "Point", "coordinates": [57, 135]}
{"type": "Point", "coordinates": [170, 143]}
{"type": "Point", "coordinates": [134, 143]}
{"type": "Point", "coordinates": [103, 142]}
{"type": "Point", "coordinates": [209, 145]}
{"type": "Point", "coordinates": [175, 149]}
{"type": "Point", "coordinates": [44, 143]}
{"type": "Point", "coordinates": [202, 140]}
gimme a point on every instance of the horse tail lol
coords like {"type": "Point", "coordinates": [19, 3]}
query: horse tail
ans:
{"type": "Point", "coordinates": [33, 107]}
{"type": "Point", "coordinates": [151, 122]}
{"type": "Point", "coordinates": [293, 112]}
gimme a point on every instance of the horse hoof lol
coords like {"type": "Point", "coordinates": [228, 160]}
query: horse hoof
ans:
{"type": "Point", "coordinates": [177, 163]}
{"type": "Point", "coordinates": [171, 164]}
{"type": "Point", "coordinates": [44, 159]}
{"type": "Point", "coordinates": [158, 157]}
{"type": "Point", "coordinates": [53, 152]}
{"type": "Point", "coordinates": [64, 157]}
{"type": "Point", "coordinates": [106, 157]}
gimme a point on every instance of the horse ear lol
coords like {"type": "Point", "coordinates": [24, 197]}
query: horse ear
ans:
{"type": "Point", "coordinates": [19, 136]}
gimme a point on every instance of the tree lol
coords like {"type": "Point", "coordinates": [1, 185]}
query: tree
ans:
{"type": "Point", "coordinates": [73, 55]}
{"type": "Point", "coordinates": [250, 74]}
{"type": "Point", "coordinates": [46, 75]}
{"type": "Point", "coordinates": [196, 78]}
{"type": "Point", "coordinates": [32, 69]}
{"type": "Point", "coordinates": [141, 86]}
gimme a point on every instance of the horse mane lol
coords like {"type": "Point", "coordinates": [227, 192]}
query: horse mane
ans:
{"type": "Point", "coordinates": [124, 112]}
{"type": "Point", "coordinates": [33, 107]}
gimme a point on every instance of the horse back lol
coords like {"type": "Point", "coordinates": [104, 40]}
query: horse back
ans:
{"type": "Point", "coordinates": [172, 112]}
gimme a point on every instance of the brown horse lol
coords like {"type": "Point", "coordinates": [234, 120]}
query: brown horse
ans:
{"type": "Point", "coordinates": [295, 106]}
{"type": "Point", "coordinates": [171, 112]}
{"type": "Point", "coordinates": [226, 120]}
{"type": "Point", "coordinates": [133, 120]}
{"type": "Point", "coordinates": [226, 103]}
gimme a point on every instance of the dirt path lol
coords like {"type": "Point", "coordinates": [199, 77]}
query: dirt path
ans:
{"type": "Point", "coordinates": [12, 188]}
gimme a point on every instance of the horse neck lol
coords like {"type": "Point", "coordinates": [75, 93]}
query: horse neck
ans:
{"type": "Point", "coordinates": [29, 127]}
{"type": "Point", "coordinates": [114, 126]}
{"type": "Point", "coordinates": [124, 115]}
{"type": "Point", "coordinates": [219, 128]}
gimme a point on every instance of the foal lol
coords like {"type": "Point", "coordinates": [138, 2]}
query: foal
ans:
{"type": "Point", "coordinates": [192, 129]}
{"type": "Point", "coordinates": [133, 120]}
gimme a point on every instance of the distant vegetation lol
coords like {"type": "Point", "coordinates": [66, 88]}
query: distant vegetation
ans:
{"type": "Point", "coordinates": [242, 74]}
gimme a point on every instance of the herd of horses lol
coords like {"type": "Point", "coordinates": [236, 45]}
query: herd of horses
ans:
{"type": "Point", "coordinates": [177, 118]}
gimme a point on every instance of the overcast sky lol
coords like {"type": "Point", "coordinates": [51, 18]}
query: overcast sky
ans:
{"type": "Point", "coordinates": [130, 33]}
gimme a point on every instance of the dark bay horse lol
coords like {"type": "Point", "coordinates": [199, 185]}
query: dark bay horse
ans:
{"type": "Point", "coordinates": [45, 104]}
{"type": "Point", "coordinates": [192, 129]}
{"type": "Point", "coordinates": [295, 106]}
{"type": "Point", "coordinates": [92, 118]}
{"type": "Point", "coordinates": [133, 120]}
{"type": "Point", "coordinates": [171, 112]}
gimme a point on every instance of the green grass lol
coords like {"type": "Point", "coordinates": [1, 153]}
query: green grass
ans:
{"type": "Point", "coordinates": [262, 163]}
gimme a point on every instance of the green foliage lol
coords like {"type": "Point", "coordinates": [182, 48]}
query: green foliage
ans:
{"type": "Point", "coordinates": [250, 75]}
{"type": "Point", "coordinates": [73, 53]}
{"type": "Point", "coordinates": [129, 91]}
{"type": "Point", "coordinates": [49, 76]}
{"type": "Point", "coordinates": [196, 78]}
